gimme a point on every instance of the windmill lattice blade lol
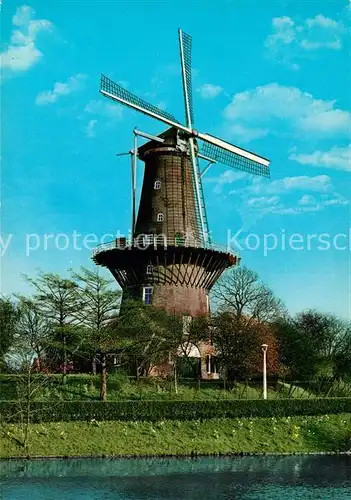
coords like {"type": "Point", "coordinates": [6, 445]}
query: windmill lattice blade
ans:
{"type": "Point", "coordinates": [185, 49]}
{"type": "Point", "coordinates": [235, 160]}
{"type": "Point", "coordinates": [128, 99]}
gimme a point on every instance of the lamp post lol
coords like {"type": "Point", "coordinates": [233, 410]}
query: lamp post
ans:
{"type": "Point", "coordinates": [264, 349]}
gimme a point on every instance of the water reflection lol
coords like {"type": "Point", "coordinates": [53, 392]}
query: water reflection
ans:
{"type": "Point", "coordinates": [276, 477]}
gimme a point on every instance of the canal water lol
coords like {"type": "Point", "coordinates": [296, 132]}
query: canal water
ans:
{"type": "Point", "coordinates": [270, 477]}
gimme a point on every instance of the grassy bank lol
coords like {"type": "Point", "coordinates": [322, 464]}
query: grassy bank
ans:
{"type": "Point", "coordinates": [274, 435]}
{"type": "Point", "coordinates": [83, 387]}
{"type": "Point", "coordinates": [121, 388]}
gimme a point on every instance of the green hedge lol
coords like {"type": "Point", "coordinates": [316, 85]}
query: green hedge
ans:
{"type": "Point", "coordinates": [171, 410]}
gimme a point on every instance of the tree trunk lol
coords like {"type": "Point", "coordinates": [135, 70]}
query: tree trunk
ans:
{"type": "Point", "coordinates": [175, 376]}
{"type": "Point", "coordinates": [93, 365]}
{"type": "Point", "coordinates": [27, 418]}
{"type": "Point", "coordinates": [64, 374]}
{"type": "Point", "coordinates": [136, 368]}
{"type": "Point", "coordinates": [103, 378]}
{"type": "Point", "coordinates": [38, 353]}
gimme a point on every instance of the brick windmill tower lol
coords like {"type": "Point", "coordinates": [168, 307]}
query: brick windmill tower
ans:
{"type": "Point", "coordinates": [170, 261]}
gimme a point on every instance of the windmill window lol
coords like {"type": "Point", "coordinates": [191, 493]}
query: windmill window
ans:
{"type": "Point", "coordinates": [147, 294]}
{"type": "Point", "coordinates": [179, 239]}
{"type": "Point", "coordinates": [149, 269]}
{"type": "Point", "coordinates": [160, 217]}
{"type": "Point", "coordinates": [157, 185]}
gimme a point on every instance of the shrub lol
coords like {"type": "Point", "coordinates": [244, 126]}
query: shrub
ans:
{"type": "Point", "coordinates": [41, 411]}
{"type": "Point", "coordinates": [328, 387]}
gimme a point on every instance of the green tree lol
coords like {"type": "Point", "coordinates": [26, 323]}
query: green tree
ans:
{"type": "Point", "coordinates": [98, 315]}
{"type": "Point", "coordinates": [314, 343]}
{"type": "Point", "coordinates": [328, 337]}
{"type": "Point", "coordinates": [241, 292]}
{"type": "Point", "coordinates": [28, 386]}
{"type": "Point", "coordinates": [33, 329]}
{"type": "Point", "coordinates": [342, 356]}
{"type": "Point", "coordinates": [237, 343]}
{"type": "Point", "coordinates": [58, 301]}
{"type": "Point", "coordinates": [153, 335]}
{"type": "Point", "coordinates": [9, 316]}
{"type": "Point", "coordinates": [296, 352]}
{"type": "Point", "coordinates": [199, 330]}
{"type": "Point", "coordinates": [195, 332]}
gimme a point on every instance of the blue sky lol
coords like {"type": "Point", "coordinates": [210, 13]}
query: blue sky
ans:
{"type": "Point", "coordinates": [270, 76]}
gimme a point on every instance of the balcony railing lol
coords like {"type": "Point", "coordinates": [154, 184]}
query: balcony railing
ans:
{"type": "Point", "coordinates": [143, 242]}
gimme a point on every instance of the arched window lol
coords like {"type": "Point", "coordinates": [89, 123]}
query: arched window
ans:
{"type": "Point", "coordinates": [208, 364]}
{"type": "Point", "coordinates": [179, 239]}
{"type": "Point", "coordinates": [211, 365]}
{"type": "Point", "coordinates": [149, 269]}
{"type": "Point", "coordinates": [160, 217]}
{"type": "Point", "coordinates": [157, 185]}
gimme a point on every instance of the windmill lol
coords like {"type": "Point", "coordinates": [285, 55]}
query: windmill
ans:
{"type": "Point", "coordinates": [170, 260]}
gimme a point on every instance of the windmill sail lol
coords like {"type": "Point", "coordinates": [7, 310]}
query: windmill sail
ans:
{"type": "Point", "coordinates": [185, 43]}
{"type": "Point", "coordinates": [236, 157]}
{"type": "Point", "coordinates": [185, 60]}
{"type": "Point", "coordinates": [117, 93]}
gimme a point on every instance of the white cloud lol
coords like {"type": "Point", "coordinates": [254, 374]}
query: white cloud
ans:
{"type": "Point", "coordinates": [309, 203]}
{"type": "Point", "coordinates": [284, 28]}
{"type": "Point", "coordinates": [338, 158]}
{"type": "Point", "coordinates": [256, 197]}
{"type": "Point", "coordinates": [287, 196]}
{"type": "Point", "coordinates": [123, 83]}
{"type": "Point", "coordinates": [290, 107]}
{"type": "Point", "coordinates": [307, 199]}
{"type": "Point", "coordinates": [321, 21]}
{"type": "Point", "coordinates": [22, 52]}
{"type": "Point", "coordinates": [109, 112]}
{"type": "Point", "coordinates": [263, 201]}
{"type": "Point", "coordinates": [104, 109]}
{"type": "Point", "coordinates": [230, 176]}
{"type": "Point", "coordinates": [306, 44]}
{"type": "Point", "coordinates": [318, 184]}
{"type": "Point", "coordinates": [244, 133]}
{"type": "Point", "coordinates": [259, 187]}
{"type": "Point", "coordinates": [162, 105]}
{"type": "Point", "coordinates": [330, 120]}
{"type": "Point", "coordinates": [284, 33]}
{"type": "Point", "coordinates": [324, 194]}
{"type": "Point", "coordinates": [60, 89]}
{"type": "Point", "coordinates": [290, 40]}
{"type": "Point", "coordinates": [337, 201]}
{"type": "Point", "coordinates": [209, 91]}
{"type": "Point", "coordinates": [90, 128]}
{"type": "Point", "coordinates": [227, 177]}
